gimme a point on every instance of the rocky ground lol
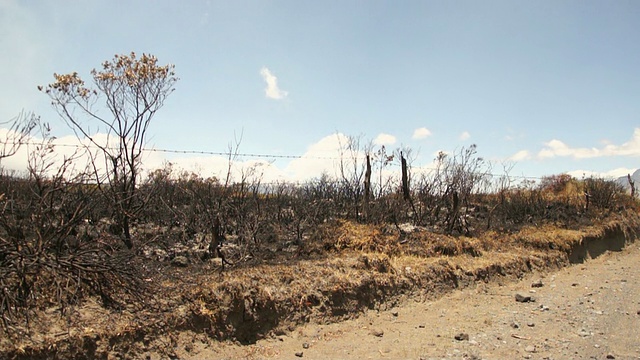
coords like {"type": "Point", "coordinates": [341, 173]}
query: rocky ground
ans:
{"type": "Point", "coordinates": [585, 311]}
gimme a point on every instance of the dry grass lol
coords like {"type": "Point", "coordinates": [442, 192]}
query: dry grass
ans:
{"type": "Point", "coordinates": [368, 267]}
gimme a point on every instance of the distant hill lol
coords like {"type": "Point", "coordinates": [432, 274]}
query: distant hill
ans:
{"type": "Point", "coordinates": [634, 177]}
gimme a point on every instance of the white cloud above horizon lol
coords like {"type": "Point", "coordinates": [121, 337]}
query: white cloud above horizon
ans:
{"type": "Point", "coordinates": [611, 174]}
{"type": "Point", "coordinates": [557, 148]}
{"type": "Point", "coordinates": [272, 91]}
{"type": "Point", "coordinates": [464, 136]}
{"type": "Point", "coordinates": [322, 156]}
{"type": "Point", "coordinates": [520, 155]}
{"type": "Point", "coordinates": [421, 133]}
{"type": "Point", "coordinates": [384, 139]}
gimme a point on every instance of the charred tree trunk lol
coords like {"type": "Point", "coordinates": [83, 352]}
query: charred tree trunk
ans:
{"type": "Point", "coordinates": [454, 216]}
{"type": "Point", "coordinates": [367, 187]}
{"type": "Point", "coordinates": [215, 247]}
{"type": "Point", "coordinates": [587, 197]}
{"type": "Point", "coordinates": [405, 178]}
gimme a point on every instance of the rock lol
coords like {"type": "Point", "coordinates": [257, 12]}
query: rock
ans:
{"type": "Point", "coordinates": [377, 332]}
{"type": "Point", "coordinates": [180, 261]}
{"type": "Point", "coordinates": [461, 337]}
{"type": "Point", "coordinates": [530, 349]}
{"type": "Point", "coordinates": [305, 345]}
{"type": "Point", "coordinates": [523, 298]}
{"type": "Point", "coordinates": [299, 354]}
{"type": "Point", "coordinates": [584, 333]}
{"type": "Point", "coordinates": [515, 325]}
{"type": "Point", "coordinates": [530, 324]}
{"type": "Point", "coordinates": [610, 356]}
{"type": "Point", "coordinates": [538, 283]}
{"type": "Point", "coordinates": [394, 313]}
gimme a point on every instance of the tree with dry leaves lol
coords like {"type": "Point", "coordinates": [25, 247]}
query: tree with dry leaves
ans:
{"type": "Point", "coordinates": [132, 89]}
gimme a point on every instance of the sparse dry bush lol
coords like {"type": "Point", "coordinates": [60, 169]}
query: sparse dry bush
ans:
{"type": "Point", "coordinates": [460, 177]}
{"type": "Point", "coordinates": [603, 194]}
{"type": "Point", "coordinates": [49, 255]}
{"type": "Point", "coordinates": [523, 204]}
{"type": "Point", "coordinates": [556, 183]}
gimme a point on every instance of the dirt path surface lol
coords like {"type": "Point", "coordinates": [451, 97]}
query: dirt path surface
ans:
{"type": "Point", "coordinates": [586, 311]}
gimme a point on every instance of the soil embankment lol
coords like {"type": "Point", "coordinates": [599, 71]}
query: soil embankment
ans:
{"type": "Point", "coordinates": [589, 310]}
{"type": "Point", "coordinates": [361, 304]}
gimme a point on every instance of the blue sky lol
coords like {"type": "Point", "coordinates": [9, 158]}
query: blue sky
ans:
{"type": "Point", "coordinates": [552, 86]}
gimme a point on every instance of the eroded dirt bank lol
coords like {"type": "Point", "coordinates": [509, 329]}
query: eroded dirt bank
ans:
{"type": "Point", "coordinates": [283, 301]}
{"type": "Point", "coordinates": [585, 311]}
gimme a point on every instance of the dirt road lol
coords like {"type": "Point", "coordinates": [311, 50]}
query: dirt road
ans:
{"type": "Point", "coordinates": [586, 311]}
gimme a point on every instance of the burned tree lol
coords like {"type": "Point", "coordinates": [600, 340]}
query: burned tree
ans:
{"type": "Point", "coordinates": [132, 89]}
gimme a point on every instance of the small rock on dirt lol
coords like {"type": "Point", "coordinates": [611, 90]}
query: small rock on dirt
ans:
{"type": "Point", "coordinates": [377, 332]}
{"type": "Point", "coordinates": [305, 345]}
{"type": "Point", "coordinates": [461, 337]}
{"type": "Point", "coordinates": [299, 354]}
{"type": "Point", "coordinates": [523, 298]}
{"type": "Point", "coordinates": [538, 283]}
{"type": "Point", "coordinates": [530, 349]}
{"type": "Point", "coordinates": [609, 356]}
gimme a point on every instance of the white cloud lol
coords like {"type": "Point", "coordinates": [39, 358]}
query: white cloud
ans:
{"type": "Point", "coordinates": [218, 166]}
{"type": "Point", "coordinates": [464, 136]}
{"type": "Point", "coordinates": [321, 157]}
{"type": "Point", "coordinates": [421, 133]}
{"type": "Point", "coordinates": [70, 146]}
{"type": "Point", "coordinates": [272, 91]}
{"type": "Point", "coordinates": [520, 155]}
{"type": "Point", "coordinates": [611, 174]}
{"type": "Point", "coordinates": [557, 148]}
{"type": "Point", "coordinates": [384, 139]}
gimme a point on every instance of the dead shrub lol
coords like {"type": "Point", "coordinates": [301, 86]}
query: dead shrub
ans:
{"type": "Point", "coordinates": [49, 256]}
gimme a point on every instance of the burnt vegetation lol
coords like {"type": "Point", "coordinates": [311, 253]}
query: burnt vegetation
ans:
{"type": "Point", "coordinates": [60, 243]}
{"type": "Point", "coordinates": [70, 232]}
